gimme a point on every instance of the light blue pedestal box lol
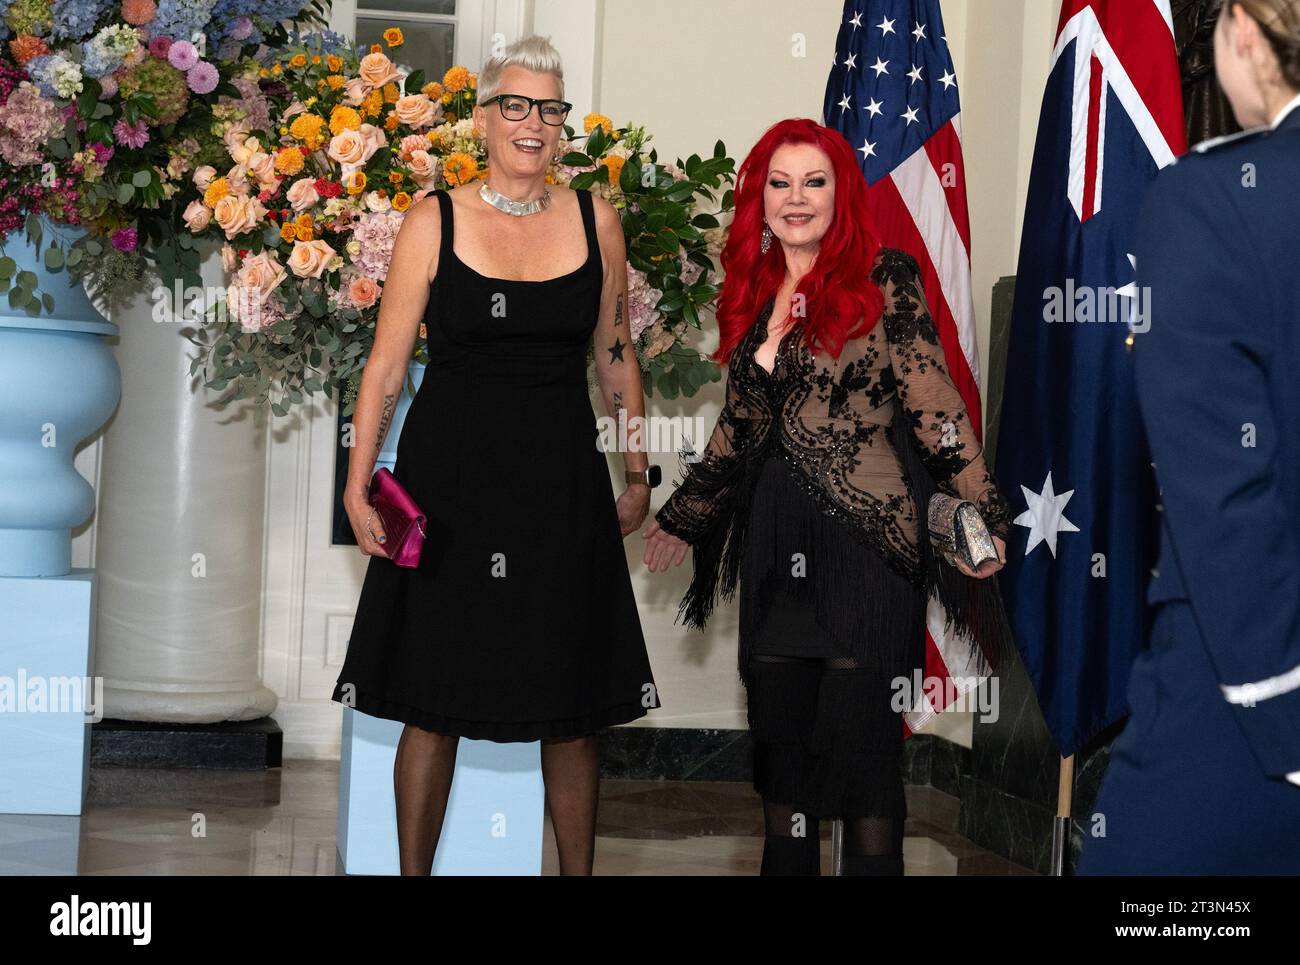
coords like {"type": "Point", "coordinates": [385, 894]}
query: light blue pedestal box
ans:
{"type": "Point", "coordinates": [494, 816]}
{"type": "Point", "coordinates": [45, 659]}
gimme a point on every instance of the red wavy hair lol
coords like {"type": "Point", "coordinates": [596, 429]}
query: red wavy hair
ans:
{"type": "Point", "coordinates": [842, 303]}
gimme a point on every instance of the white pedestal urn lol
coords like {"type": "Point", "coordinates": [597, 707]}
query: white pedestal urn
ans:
{"type": "Point", "coordinates": [182, 501]}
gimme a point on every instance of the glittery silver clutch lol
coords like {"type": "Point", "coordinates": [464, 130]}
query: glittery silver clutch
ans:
{"type": "Point", "coordinates": [957, 531]}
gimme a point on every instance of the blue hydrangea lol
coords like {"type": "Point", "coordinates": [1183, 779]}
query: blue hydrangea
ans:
{"type": "Point", "coordinates": [4, 12]}
{"type": "Point", "coordinates": [76, 19]}
{"type": "Point", "coordinates": [97, 62]}
{"type": "Point", "coordinates": [181, 19]}
{"type": "Point", "coordinates": [323, 41]}
{"type": "Point", "coordinates": [263, 13]}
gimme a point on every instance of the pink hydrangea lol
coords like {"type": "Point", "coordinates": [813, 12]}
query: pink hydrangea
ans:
{"type": "Point", "coordinates": [27, 121]}
{"type": "Point", "coordinates": [376, 233]}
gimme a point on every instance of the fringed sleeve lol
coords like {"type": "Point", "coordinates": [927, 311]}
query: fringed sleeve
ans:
{"type": "Point", "coordinates": [705, 510]}
{"type": "Point", "coordinates": [941, 453]}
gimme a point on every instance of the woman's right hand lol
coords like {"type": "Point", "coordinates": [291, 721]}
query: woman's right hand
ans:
{"type": "Point", "coordinates": [357, 505]}
{"type": "Point", "coordinates": [662, 548]}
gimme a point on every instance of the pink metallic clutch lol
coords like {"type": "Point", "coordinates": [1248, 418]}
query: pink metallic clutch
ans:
{"type": "Point", "coordinates": [402, 520]}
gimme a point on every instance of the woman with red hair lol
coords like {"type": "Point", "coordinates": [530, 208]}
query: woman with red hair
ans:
{"type": "Point", "coordinates": [840, 420]}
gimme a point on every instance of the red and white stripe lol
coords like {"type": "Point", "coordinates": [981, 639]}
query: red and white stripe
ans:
{"type": "Point", "coordinates": [921, 207]}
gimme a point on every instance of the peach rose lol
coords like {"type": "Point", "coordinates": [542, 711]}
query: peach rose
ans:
{"type": "Point", "coordinates": [263, 167]}
{"type": "Point", "coordinates": [203, 176]}
{"type": "Point", "coordinates": [347, 147]}
{"type": "Point", "coordinates": [363, 292]}
{"type": "Point", "coordinates": [302, 194]}
{"type": "Point", "coordinates": [196, 216]}
{"type": "Point", "coordinates": [241, 151]}
{"type": "Point", "coordinates": [423, 166]}
{"type": "Point", "coordinates": [377, 70]}
{"type": "Point", "coordinates": [236, 214]}
{"type": "Point", "coordinates": [412, 143]}
{"type": "Point", "coordinates": [374, 138]}
{"type": "Point", "coordinates": [309, 258]}
{"type": "Point", "coordinates": [261, 273]}
{"type": "Point", "coordinates": [355, 91]}
{"type": "Point", "coordinates": [237, 179]}
{"type": "Point", "coordinates": [416, 110]}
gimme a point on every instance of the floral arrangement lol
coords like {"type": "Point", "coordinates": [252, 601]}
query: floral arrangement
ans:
{"type": "Point", "coordinates": [307, 207]}
{"type": "Point", "coordinates": [106, 107]}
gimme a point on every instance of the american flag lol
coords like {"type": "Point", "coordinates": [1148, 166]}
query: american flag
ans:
{"type": "Point", "coordinates": [892, 93]}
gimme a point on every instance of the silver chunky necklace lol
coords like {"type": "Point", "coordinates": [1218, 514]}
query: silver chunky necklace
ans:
{"type": "Point", "coordinates": [510, 206]}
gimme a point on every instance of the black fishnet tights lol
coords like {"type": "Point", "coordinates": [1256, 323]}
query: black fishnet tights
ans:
{"type": "Point", "coordinates": [792, 841]}
{"type": "Point", "coordinates": [422, 774]}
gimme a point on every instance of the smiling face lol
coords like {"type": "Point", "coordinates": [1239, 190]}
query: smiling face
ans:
{"type": "Point", "coordinates": [524, 148]}
{"type": "Point", "coordinates": [799, 196]}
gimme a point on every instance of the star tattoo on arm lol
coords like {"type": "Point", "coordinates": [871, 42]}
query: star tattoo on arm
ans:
{"type": "Point", "coordinates": [616, 351]}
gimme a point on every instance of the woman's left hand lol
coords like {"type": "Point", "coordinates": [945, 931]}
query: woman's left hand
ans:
{"type": "Point", "coordinates": [633, 506]}
{"type": "Point", "coordinates": [989, 567]}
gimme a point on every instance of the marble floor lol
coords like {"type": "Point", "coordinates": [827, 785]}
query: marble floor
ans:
{"type": "Point", "coordinates": [282, 822]}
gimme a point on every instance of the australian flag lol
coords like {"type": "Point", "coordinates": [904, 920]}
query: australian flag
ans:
{"type": "Point", "coordinates": [1071, 454]}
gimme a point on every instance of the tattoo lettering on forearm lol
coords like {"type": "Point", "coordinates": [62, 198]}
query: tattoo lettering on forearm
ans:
{"type": "Point", "coordinates": [616, 351]}
{"type": "Point", "coordinates": [618, 309]}
{"type": "Point", "coordinates": [385, 418]}
{"type": "Point", "coordinates": [618, 401]}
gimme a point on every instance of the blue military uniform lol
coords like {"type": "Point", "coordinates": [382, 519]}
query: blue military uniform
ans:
{"type": "Point", "coordinates": [1200, 781]}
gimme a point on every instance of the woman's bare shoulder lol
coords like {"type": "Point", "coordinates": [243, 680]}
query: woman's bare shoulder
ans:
{"type": "Point", "coordinates": [422, 224]}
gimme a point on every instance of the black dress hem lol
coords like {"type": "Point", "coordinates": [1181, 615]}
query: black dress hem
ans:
{"type": "Point", "coordinates": [502, 732]}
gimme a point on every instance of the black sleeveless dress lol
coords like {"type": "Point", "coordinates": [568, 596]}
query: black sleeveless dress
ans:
{"type": "Point", "coordinates": [519, 623]}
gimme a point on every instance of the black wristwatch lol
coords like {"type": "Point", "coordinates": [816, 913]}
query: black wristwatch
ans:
{"type": "Point", "coordinates": [648, 477]}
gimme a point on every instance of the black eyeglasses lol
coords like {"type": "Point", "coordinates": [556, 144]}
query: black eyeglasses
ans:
{"type": "Point", "coordinates": [515, 107]}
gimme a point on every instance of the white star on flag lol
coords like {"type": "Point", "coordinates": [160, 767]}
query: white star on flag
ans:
{"type": "Point", "coordinates": [1045, 517]}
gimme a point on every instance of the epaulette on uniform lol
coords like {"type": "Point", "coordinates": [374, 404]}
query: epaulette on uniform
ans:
{"type": "Point", "coordinates": [1211, 143]}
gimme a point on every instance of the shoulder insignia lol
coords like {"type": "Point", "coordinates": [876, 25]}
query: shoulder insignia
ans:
{"type": "Point", "coordinates": [1209, 144]}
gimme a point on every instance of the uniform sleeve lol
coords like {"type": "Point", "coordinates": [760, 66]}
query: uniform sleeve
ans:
{"type": "Point", "coordinates": [933, 406]}
{"type": "Point", "coordinates": [1208, 370]}
{"type": "Point", "coordinates": [703, 499]}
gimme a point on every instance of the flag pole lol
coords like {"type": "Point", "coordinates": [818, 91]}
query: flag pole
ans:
{"type": "Point", "coordinates": [1061, 826]}
{"type": "Point", "coordinates": [837, 847]}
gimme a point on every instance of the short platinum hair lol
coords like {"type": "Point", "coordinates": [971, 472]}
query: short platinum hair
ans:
{"type": "Point", "coordinates": [531, 53]}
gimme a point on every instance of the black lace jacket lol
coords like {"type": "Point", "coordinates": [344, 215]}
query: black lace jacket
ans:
{"type": "Point", "coordinates": [871, 433]}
